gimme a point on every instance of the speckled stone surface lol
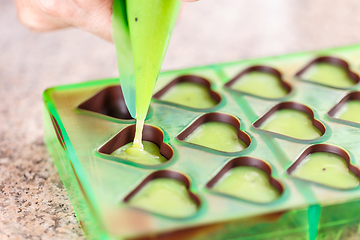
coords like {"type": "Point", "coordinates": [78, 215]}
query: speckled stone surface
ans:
{"type": "Point", "coordinates": [33, 201]}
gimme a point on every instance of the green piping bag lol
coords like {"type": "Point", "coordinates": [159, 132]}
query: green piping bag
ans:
{"type": "Point", "coordinates": [141, 32]}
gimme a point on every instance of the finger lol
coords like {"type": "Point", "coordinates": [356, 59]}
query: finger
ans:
{"type": "Point", "coordinates": [32, 16]}
{"type": "Point", "coordinates": [93, 16]}
{"type": "Point", "coordinates": [100, 21]}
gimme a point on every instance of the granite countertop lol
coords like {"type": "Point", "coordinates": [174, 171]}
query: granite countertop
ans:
{"type": "Point", "coordinates": [33, 201]}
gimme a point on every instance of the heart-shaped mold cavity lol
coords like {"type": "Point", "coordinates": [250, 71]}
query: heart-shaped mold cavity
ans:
{"type": "Point", "coordinates": [156, 150]}
{"type": "Point", "coordinates": [189, 91]}
{"type": "Point", "coordinates": [326, 165]}
{"type": "Point", "coordinates": [247, 178]}
{"type": "Point", "coordinates": [217, 131]}
{"type": "Point", "coordinates": [166, 193]}
{"type": "Point", "coordinates": [347, 109]}
{"type": "Point", "coordinates": [260, 81]}
{"type": "Point", "coordinates": [109, 101]}
{"type": "Point", "coordinates": [293, 120]}
{"type": "Point", "coordinates": [329, 71]}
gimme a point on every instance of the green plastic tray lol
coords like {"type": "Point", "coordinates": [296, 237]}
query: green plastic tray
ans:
{"type": "Point", "coordinates": [97, 184]}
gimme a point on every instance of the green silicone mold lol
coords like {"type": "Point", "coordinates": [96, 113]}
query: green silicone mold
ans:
{"type": "Point", "coordinates": [116, 198]}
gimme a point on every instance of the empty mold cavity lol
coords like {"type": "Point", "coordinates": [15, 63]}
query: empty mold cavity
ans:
{"type": "Point", "coordinates": [249, 179]}
{"type": "Point", "coordinates": [109, 101]}
{"type": "Point", "coordinates": [156, 151]}
{"type": "Point", "coordinates": [327, 165]}
{"type": "Point", "coordinates": [166, 193]}
{"type": "Point", "coordinates": [329, 71]}
{"type": "Point", "coordinates": [260, 81]}
{"type": "Point", "coordinates": [189, 91]}
{"type": "Point", "coordinates": [347, 109]}
{"type": "Point", "coordinates": [293, 120]}
{"type": "Point", "coordinates": [216, 131]}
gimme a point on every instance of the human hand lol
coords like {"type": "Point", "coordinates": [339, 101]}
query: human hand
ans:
{"type": "Point", "coordinates": [46, 15]}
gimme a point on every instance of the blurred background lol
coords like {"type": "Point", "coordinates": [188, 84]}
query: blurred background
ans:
{"type": "Point", "coordinates": [33, 202]}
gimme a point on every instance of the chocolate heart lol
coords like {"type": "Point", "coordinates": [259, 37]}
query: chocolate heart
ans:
{"type": "Point", "coordinates": [329, 71]}
{"type": "Point", "coordinates": [151, 134]}
{"type": "Point", "coordinates": [291, 119]}
{"type": "Point", "coordinates": [166, 193]}
{"type": "Point", "coordinates": [347, 110]}
{"type": "Point", "coordinates": [222, 135]}
{"type": "Point", "coordinates": [326, 165]}
{"type": "Point", "coordinates": [247, 178]}
{"type": "Point", "coordinates": [189, 91]}
{"type": "Point", "coordinates": [260, 81]}
{"type": "Point", "coordinates": [109, 101]}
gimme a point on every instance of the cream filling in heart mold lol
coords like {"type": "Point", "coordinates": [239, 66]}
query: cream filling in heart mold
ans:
{"type": "Point", "coordinates": [165, 196]}
{"type": "Point", "coordinates": [249, 183]}
{"type": "Point", "coordinates": [217, 135]}
{"type": "Point", "coordinates": [148, 155]}
{"type": "Point", "coordinates": [328, 74]}
{"type": "Point", "coordinates": [328, 169]}
{"type": "Point", "coordinates": [350, 111]}
{"type": "Point", "coordinates": [190, 95]}
{"type": "Point", "coordinates": [260, 84]}
{"type": "Point", "coordinates": [292, 123]}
